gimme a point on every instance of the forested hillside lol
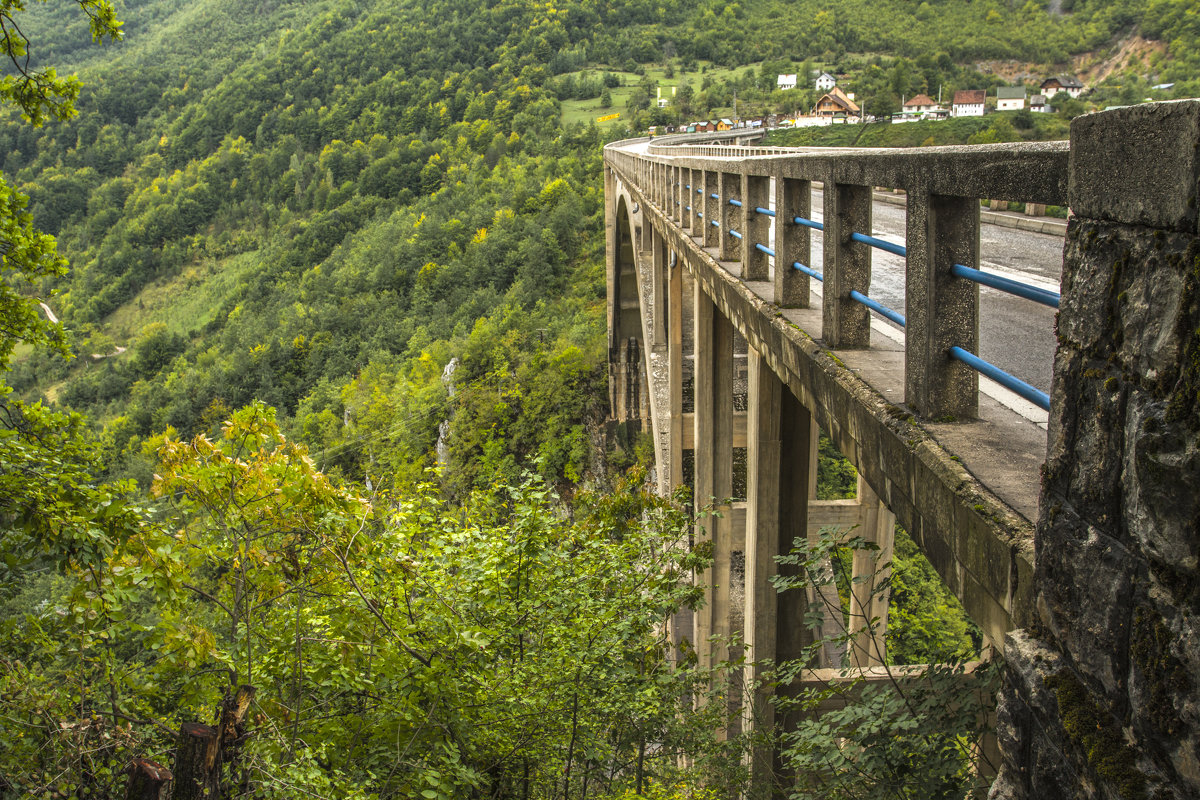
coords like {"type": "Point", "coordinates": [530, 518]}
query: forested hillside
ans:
{"type": "Point", "coordinates": [317, 251]}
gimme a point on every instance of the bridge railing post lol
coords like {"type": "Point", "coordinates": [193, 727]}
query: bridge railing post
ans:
{"type": "Point", "coordinates": [941, 310]}
{"type": "Point", "coordinates": [755, 192]}
{"type": "Point", "coordinates": [793, 198]}
{"type": "Point", "coordinates": [673, 194]}
{"type": "Point", "coordinates": [687, 199]}
{"type": "Point", "coordinates": [731, 189]}
{"type": "Point", "coordinates": [847, 265]}
{"type": "Point", "coordinates": [712, 208]}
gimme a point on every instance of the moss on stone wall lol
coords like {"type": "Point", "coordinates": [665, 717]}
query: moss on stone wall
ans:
{"type": "Point", "coordinates": [1098, 735]}
{"type": "Point", "coordinates": [1184, 404]}
{"type": "Point", "coordinates": [1165, 675]}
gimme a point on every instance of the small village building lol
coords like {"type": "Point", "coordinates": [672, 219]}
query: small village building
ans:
{"type": "Point", "coordinates": [1062, 83]}
{"type": "Point", "coordinates": [825, 82]}
{"type": "Point", "coordinates": [1010, 98]}
{"type": "Point", "coordinates": [1038, 104]}
{"type": "Point", "coordinates": [785, 82]}
{"type": "Point", "coordinates": [724, 124]}
{"type": "Point", "coordinates": [920, 104]}
{"type": "Point", "coordinates": [968, 103]}
{"type": "Point", "coordinates": [837, 104]}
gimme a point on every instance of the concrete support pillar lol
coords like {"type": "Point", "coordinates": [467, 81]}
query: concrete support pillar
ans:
{"type": "Point", "coordinates": [731, 189]}
{"type": "Point", "coordinates": [675, 366]}
{"type": "Point", "coordinates": [658, 281]}
{"type": "Point", "coordinates": [793, 198]}
{"type": "Point", "coordinates": [823, 601]}
{"type": "Point", "coordinates": [868, 597]}
{"type": "Point", "coordinates": [846, 323]}
{"type": "Point", "coordinates": [710, 201]}
{"type": "Point", "coordinates": [755, 227]}
{"type": "Point", "coordinates": [942, 310]}
{"type": "Point", "coordinates": [778, 475]}
{"type": "Point", "coordinates": [713, 465]}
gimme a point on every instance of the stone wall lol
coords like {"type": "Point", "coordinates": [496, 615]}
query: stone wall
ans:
{"type": "Point", "coordinates": [1102, 692]}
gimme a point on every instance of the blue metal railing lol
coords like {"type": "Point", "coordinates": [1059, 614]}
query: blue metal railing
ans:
{"type": "Point", "coordinates": [1043, 296]}
{"type": "Point", "coordinates": [890, 313]}
{"type": "Point", "coordinates": [880, 244]}
{"type": "Point", "coordinates": [1010, 382]}
{"type": "Point", "coordinates": [809, 271]}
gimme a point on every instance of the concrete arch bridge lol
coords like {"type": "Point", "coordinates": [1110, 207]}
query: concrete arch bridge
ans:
{"type": "Point", "coordinates": [1065, 518]}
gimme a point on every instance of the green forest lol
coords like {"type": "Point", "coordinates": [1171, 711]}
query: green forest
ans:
{"type": "Point", "coordinates": [303, 384]}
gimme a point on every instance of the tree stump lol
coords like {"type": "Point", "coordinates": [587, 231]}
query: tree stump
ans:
{"type": "Point", "coordinates": [198, 763]}
{"type": "Point", "coordinates": [148, 781]}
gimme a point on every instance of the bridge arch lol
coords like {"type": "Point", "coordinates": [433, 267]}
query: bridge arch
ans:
{"type": "Point", "coordinates": [628, 386]}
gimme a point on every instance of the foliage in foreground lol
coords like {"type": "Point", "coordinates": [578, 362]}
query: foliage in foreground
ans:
{"type": "Point", "coordinates": [915, 733]}
{"type": "Point", "coordinates": [401, 647]}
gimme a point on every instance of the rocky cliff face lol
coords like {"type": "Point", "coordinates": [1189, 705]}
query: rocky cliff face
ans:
{"type": "Point", "coordinates": [1102, 693]}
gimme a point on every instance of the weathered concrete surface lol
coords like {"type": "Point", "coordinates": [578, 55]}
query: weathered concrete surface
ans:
{"type": "Point", "coordinates": [977, 543]}
{"type": "Point", "coordinates": [1102, 695]}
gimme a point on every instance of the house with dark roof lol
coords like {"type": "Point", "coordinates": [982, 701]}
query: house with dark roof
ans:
{"type": "Point", "coordinates": [1062, 83]}
{"type": "Point", "coordinates": [1010, 98]}
{"type": "Point", "coordinates": [1038, 104]}
{"type": "Point", "coordinates": [968, 103]}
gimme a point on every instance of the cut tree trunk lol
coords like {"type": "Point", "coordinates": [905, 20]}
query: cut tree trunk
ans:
{"type": "Point", "coordinates": [148, 781]}
{"type": "Point", "coordinates": [198, 763]}
{"type": "Point", "coordinates": [232, 726]}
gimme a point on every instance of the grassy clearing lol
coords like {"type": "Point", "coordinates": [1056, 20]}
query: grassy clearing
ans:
{"type": "Point", "coordinates": [185, 302]}
{"type": "Point", "coordinates": [587, 110]}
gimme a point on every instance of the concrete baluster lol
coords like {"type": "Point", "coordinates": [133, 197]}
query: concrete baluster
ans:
{"type": "Point", "coordinates": [793, 198]}
{"type": "Point", "coordinates": [685, 200]}
{"type": "Point", "coordinates": [941, 310]}
{"type": "Point", "coordinates": [731, 189]}
{"type": "Point", "coordinates": [755, 227]}
{"type": "Point", "coordinates": [846, 323]}
{"type": "Point", "coordinates": [712, 208]}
